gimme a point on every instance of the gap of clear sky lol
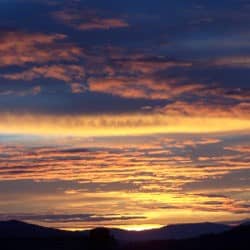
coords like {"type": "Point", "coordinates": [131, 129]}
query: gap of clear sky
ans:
{"type": "Point", "coordinates": [130, 114]}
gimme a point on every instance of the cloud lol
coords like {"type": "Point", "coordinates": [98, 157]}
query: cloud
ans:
{"type": "Point", "coordinates": [239, 148]}
{"type": "Point", "coordinates": [89, 20]}
{"type": "Point", "coordinates": [234, 61]}
{"type": "Point", "coordinates": [77, 88]}
{"type": "Point", "coordinates": [43, 56]}
{"type": "Point", "coordinates": [203, 109]}
{"type": "Point", "coordinates": [138, 76]}
{"type": "Point", "coordinates": [146, 165]}
{"type": "Point", "coordinates": [126, 124]}
{"type": "Point", "coordinates": [142, 87]}
{"type": "Point", "coordinates": [139, 63]}
{"type": "Point", "coordinates": [20, 48]}
{"type": "Point", "coordinates": [72, 74]}
{"type": "Point", "coordinates": [32, 91]}
{"type": "Point", "coordinates": [75, 182]}
{"type": "Point", "coordinates": [69, 218]}
{"type": "Point", "coordinates": [103, 24]}
{"type": "Point", "coordinates": [67, 73]}
{"type": "Point", "coordinates": [110, 70]}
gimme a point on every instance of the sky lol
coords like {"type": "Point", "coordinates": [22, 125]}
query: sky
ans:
{"type": "Point", "coordinates": [129, 114]}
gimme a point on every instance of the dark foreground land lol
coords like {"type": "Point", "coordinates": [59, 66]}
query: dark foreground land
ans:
{"type": "Point", "coordinates": [237, 238]}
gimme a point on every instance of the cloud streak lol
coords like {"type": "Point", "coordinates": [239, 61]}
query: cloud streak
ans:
{"type": "Point", "coordinates": [88, 20]}
{"type": "Point", "coordinates": [157, 177]}
{"type": "Point", "coordinates": [20, 48]}
{"type": "Point", "coordinates": [114, 125]}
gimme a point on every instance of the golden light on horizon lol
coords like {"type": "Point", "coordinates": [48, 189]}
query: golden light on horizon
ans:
{"type": "Point", "coordinates": [118, 125]}
{"type": "Point", "coordinates": [132, 227]}
{"type": "Point", "coordinates": [140, 227]}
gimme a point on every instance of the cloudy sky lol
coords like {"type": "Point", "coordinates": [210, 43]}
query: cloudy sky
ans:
{"type": "Point", "coordinates": [131, 114]}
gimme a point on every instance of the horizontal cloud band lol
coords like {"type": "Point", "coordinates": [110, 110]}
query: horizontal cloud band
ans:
{"type": "Point", "coordinates": [114, 125]}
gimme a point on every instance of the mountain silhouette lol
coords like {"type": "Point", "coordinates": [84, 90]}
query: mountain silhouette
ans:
{"type": "Point", "coordinates": [19, 229]}
{"type": "Point", "coordinates": [178, 231]}
{"type": "Point", "coordinates": [16, 235]}
{"type": "Point", "coordinates": [234, 239]}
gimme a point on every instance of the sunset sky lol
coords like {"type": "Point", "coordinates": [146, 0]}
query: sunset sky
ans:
{"type": "Point", "coordinates": [129, 114]}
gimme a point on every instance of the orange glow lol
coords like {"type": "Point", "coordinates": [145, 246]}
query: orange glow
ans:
{"type": "Point", "coordinates": [140, 227]}
{"type": "Point", "coordinates": [114, 125]}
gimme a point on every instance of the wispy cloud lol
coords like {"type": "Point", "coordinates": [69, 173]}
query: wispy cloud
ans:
{"type": "Point", "coordinates": [142, 87]}
{"type": "Point", "coordinates": [32, 91]}
{"type": "Point", "coordinates": [89, 20]}
{"type": "Point", "coordinates": [198, 109]}
{"type": "Point", "coordinates": [19, 48]}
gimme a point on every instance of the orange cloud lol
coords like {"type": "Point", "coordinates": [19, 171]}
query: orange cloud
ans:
{"type": "Point", "coordinates": [234, 61]}
{"type": "Point", "coordinates": [202, 109]}
{"type": "Point", "coordinates": [146, 64]}
{"type": "Point", "coordinates": [113, 125]}
{"type": "Point", "coordinates": [148, 178]}
{"type": "Point", "coordinates": [19, 48]}
{"type": "Point", "coordinates": [142, 87]}
{"type": "Point", "coordinates": [89, 20]}
{"type": "Point", "coordinates": [67, 73]}
{"type": "Point", "coordinates": [77, 88]}
{"type": "Point", "coordinates": [103, 24]}
{"type": "Point", "coordinates": [239, 148]}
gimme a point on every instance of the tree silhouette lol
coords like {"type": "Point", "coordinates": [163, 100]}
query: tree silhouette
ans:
{"type": "Point", "coordinates": [101, 238]}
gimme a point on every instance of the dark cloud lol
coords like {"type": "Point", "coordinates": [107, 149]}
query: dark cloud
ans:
{"type": "Point", "coordinates": [70, 218]}
{"type": "Point", "coordinates": [88, 20]}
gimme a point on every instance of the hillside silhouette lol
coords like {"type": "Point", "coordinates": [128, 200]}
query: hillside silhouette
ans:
{"type": "Point", "coordinates": [15, 235]}
{"type": "Point", "coordinates": [235, 239]}
{"type": "Point", "coordinates": [18, 229]}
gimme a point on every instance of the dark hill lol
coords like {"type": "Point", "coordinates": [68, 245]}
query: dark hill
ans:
{"type": "Point", "coordinates": [236, 239]}
{"type": "Point", "coordinates": [18, 229]}
{"type": "Point", "coordinates": [15, 235]}
{"type": "Point", "coordinates": [179, 231]}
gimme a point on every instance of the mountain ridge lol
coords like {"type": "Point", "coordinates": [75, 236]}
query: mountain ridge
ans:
{"type": "Point", "coordinates": [235, 238]}
{"type": "Point", "coordinates": [19, 229]}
